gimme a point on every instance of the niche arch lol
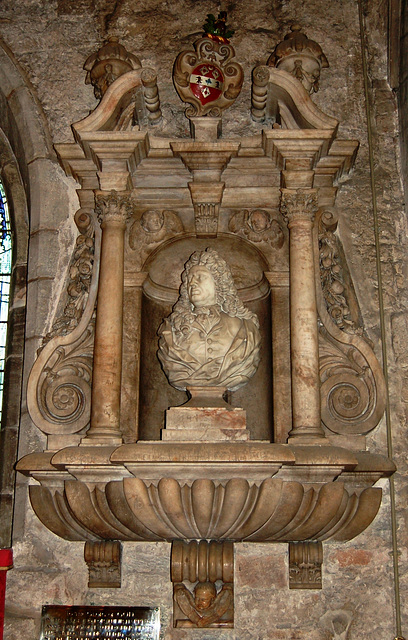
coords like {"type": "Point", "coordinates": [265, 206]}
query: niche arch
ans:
{"type": "Point", "coordinates": [163, 270]}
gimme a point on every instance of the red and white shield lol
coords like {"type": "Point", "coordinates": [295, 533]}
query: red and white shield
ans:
{"type": "Point", "coordinates": [206, 82]}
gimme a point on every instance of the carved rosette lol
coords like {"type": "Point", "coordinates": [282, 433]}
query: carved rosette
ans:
{"type": "Point", "coordinates": [208, 78]}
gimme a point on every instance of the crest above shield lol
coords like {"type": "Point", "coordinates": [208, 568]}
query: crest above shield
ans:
{"type": "Point", "coordinates": [208, 78]}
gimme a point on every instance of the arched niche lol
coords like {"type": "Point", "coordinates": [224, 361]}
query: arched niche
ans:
{"type": "Point", "coordinates": [161, 284]}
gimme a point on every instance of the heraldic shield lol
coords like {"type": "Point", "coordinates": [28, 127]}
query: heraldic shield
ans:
{"type": "Point", "coordinates": [207, 78]}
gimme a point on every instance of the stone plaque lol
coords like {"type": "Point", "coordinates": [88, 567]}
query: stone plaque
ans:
{"type": "Point", "coordinates": [107, 623]}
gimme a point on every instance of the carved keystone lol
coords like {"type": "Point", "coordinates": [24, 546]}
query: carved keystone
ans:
{"type": "Point", "coordinates": [104, 564]}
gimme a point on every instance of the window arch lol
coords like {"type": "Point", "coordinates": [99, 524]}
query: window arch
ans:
{"type": "Point", "coordinates": [5, 277]}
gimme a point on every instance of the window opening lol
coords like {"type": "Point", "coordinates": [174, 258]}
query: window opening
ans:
{"type": "Point", "coordinates": [5, 277]}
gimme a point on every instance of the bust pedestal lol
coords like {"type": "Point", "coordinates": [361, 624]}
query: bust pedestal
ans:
{"type": "Point", "coordinates": [205, 417]}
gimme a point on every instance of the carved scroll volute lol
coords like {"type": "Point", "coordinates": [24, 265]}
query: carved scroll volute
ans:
{"type": "Point", "coordinates": [59, 386]}
{"type": "Point", "coordinates": [353, 391]}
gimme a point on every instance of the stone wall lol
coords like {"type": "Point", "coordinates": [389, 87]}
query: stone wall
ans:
{"type": "Point", "coordinates": [48, 43]}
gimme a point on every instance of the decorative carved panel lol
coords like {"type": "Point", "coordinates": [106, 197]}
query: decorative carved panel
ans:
{"type": "Point", "coordinates": [59, 387]}
{"type": "Point", "coordinates": [353, 392]}
{"type": "Point", "coordinates": [104, 564]}
{"type": "Point", "coordinates": [305, 565]}
{"type": "Point", "coordinates": [208, 598]}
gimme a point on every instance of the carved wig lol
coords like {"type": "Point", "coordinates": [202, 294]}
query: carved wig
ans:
{"type": "Point", "coordinates": [227, 295]}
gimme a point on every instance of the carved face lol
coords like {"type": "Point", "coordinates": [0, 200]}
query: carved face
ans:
{"type": "Point", "coordinates": [259, 221]}
{"type": "Point", "coordinates": [201, 287]}
{"type": "Point", "coordinates": [152, 221]}
{"type": "Point", "coordinates": [203, 596]}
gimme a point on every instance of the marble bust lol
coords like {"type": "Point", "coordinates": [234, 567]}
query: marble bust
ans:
{"type": "Point", "coordinates": [210, 338]}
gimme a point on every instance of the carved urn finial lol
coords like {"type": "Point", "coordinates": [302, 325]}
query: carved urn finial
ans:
{"type": "Point", "coordinates": [301, 57]}
{"type": "Point", "coordinates": [107, 64]}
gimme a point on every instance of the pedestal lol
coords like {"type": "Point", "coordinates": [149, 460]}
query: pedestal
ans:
{"type": "Point", "coordinates": [206, 417]}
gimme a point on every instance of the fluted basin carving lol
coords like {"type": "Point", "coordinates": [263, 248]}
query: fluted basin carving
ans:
{"type": "Point", "coordinates": [259, 493]}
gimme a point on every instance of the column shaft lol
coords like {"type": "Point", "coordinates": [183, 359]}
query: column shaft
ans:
{"type": "Point", "coordinates": [113, 209]}
{"type": "Point", "coordinates": [299, 206]}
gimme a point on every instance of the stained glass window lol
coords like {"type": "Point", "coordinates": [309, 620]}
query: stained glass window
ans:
{"type": "Point", "coordinates": [5, 276]}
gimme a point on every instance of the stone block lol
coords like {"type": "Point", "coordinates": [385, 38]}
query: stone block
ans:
{"type": "Point", "coordinates": [209, 424]}
{"type": "Point", "coordinates": [30, 122]}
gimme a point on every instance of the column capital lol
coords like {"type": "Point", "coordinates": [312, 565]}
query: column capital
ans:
{"type": "Point", "coordinates": [298, 205]}
{"type": "Point", "coordinates": [113, 206]}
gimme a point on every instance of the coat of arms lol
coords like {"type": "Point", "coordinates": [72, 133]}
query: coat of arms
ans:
{"type": "Point", "coordinates": [207, 78]}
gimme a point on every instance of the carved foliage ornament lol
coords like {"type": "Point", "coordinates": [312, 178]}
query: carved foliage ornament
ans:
{"type": "Point", "coordinates": [59, 386]}
{"type": "Point", "coordinates": [353, 391]}
{"type": "Point", "coordinates": [305, 565]}
{"type": "Point", "coordinates": [339, 297]}
{"type": "Point", "coordinates": [113, 207]}
{"type": "Point", "coordinates": [208, 78]}
{"type": "Point", "coordinates": [80, 276]}
{"type": "Point", "coordinates": [298, 204]}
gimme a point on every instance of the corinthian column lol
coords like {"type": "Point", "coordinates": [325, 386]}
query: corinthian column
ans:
{"type": "Point", "coordinates": [298, 207]}
{"type": "Point", "coordinates": [112, 209]}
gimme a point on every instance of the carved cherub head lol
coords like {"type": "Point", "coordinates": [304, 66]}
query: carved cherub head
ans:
{"type": "Point", "coordinates": [152, 221]}
{"type": "Point", "coordinates": [259, 220]}
{"type": "Point", "coordinates": [204, 595]}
